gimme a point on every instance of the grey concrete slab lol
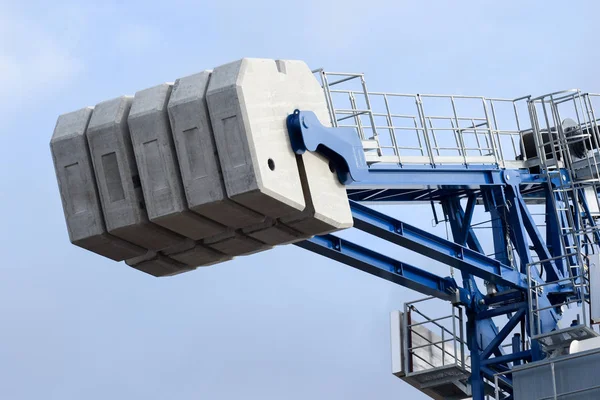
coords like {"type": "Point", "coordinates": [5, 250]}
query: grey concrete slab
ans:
{"type": "Point", "coordinates": [327, 207]}
{"type": "Point", "coordinates": [194, 254]}
{"type": "Point", "coordinates": [200, 256]}
{"type": "Point", "coordinates": [234, 244]}
{"type": "Point", "coordinates": [197, 155]}
{"type": "Point", "coordinates": [273, 233]}
{"type": "Point", "coordinates": [157, 164]}
{"type": "Point", "coordinates": [79, 195]}
{"type": "Point", "coordinates": [248, 103]}
{"type": "Point", "coordinates": [117, 176]}
{"type": "Point", "coordinates": [158, 265]}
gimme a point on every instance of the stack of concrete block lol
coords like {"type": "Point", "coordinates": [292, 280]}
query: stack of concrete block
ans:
{"type": "Point", "coordinates": [197, 172]}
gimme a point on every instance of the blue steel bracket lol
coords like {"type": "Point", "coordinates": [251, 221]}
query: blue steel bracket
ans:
{"type": "Point", "coordinates": [340, 145]}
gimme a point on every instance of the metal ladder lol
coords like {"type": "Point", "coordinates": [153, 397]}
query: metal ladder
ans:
{"type": "Point", "coordinates": [554, 145]}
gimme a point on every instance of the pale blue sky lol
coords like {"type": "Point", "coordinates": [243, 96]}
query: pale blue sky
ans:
{"type": "Point", "coordinates": [284, 324]}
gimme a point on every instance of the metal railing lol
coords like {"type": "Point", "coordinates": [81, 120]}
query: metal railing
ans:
{"type": "Point", "coordinates": [578, 284]}
{"type": "Point", "coordinates": [553, 382]}
{"type": "Point", "coordinates": [429, 129]}
{"type": "Point", "coordinates": [437, 129]}
{"type": "Point", "coordinates": [432, 343]}
{"type": "Point", "coordinates": [566, 138]}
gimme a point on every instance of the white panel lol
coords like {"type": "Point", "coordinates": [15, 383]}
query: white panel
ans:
{"type": "Point", "coordinates": [396, 343]}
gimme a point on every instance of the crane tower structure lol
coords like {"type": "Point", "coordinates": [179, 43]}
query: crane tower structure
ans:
{"type": "Point", "coordinates": [261, 153]}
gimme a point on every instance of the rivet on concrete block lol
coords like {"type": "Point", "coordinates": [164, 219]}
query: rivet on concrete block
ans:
{"type": "Point", "coordinates": [118, 180]}
{"type": "Point", "coordinates": [197, 155]}
{"type": "Point", "coordinates": [77, 185]}
{"type": "Point", "coordinates": [157, 164]}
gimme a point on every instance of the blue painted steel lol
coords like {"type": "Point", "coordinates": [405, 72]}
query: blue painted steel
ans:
{"type": "Point", "coordinates": [504, 194]}
{"type": "Point", "coordinates": [503, 334]}
{"type": "Point", "coordinates": [498, 219]}
{"type": "Point", "coordinates": [502, 310]}
{"type": "Point", "coordinates": [466, 222]}
{"type": "Point", "coordinates": [522, 355]}
{"type": "Point", "coordinates": [552, 228]}
{"type": "Point", "coordinates": [552, 272]}
{"type": "Point", "coordinates": [384, 267]}
{"type": "Point", "coordinates": [432, 246]}
{"type": "Point", "coordinates": [477, 383]}
{"type": "Point", "coordinates": [516, 347]}
{"type": "Point", "coordinates": [518, 217]}
{"type": "Point", "coordinates": [462, 232]}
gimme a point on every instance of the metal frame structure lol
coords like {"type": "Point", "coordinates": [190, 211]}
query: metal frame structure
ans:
{"type": "Point", "coordinates": [459, 160]}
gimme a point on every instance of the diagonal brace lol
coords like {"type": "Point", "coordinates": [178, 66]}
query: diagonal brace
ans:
{"type": "Point", "coordinates": [434, 247]}
{"type": "Point", "coordinates": [504, 332]}
{"type": "Point", "coordinates": [384, 267]}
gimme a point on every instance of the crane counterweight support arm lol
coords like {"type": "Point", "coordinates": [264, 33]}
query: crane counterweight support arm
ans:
{"type": "Point", "coordinates": [437, 248]}
{"type": "Point", "coordinates": [385, 267]}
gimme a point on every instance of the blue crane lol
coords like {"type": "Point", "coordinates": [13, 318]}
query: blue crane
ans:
{"type": "Point", "coordinates": [505, 192]}
{"type": "Point", "coordinates": [514, 299]}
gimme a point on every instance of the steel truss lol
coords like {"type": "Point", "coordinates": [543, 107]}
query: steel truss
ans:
{"type": "Point", "coordinates": [540, 259]}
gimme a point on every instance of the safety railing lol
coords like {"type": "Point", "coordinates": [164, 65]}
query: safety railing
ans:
{"type": "Point", "coordinates": [433, 343]}
{"type": "Point", "coordinates": [576, 286]}
{"type": "Point", "coordinates": [428, 129]}
{"type": "Point", "coordinates": [566, 139]}
{"type": "Point", "coordinates": [554, 382]}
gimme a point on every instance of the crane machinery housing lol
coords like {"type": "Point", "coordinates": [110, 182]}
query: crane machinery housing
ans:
{"type": "Point", "coordinates": [260, 153]}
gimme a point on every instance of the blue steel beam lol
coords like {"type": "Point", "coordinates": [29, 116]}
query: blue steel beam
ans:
{"type": "Point", "coordinates": [552, 272]}
{"type": "Point", "coordinates": [502, 310]}
{"type": "Point", "coordinates": [521, 355]}
{"type": "Point", "coordinates": [466, 223]}
{"type": "Point", "coordinates": [383, 266]}
{"type": "Point", "coordinates": [503, 334]}
{"type": "Point", "coordinates": [434, 247]}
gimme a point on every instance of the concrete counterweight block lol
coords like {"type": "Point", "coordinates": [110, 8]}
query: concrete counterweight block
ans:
{"type": "Point", "coordinates": [77, 185]}
{"type": "Point", "coordinates": [194, 254]}
{"type": "Point", "coordinates": [234, 244]}
{"type": "Point", "coordinates": [327, 207]}
{"type": "Point", "coordinates": [249, 101]}
{"type": "Point", "coordinates": [158, 265]}
{"type": "Point", "coordinates": [200, 169]}
{"type": "Point", "coordinates": [118, 180]}
{"type": "Point", "coordinates": [273, 233]}
{"type": "Point", "coordinates": [197, 155]}
{"type": "Point", "coordinates": [154, 151]}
